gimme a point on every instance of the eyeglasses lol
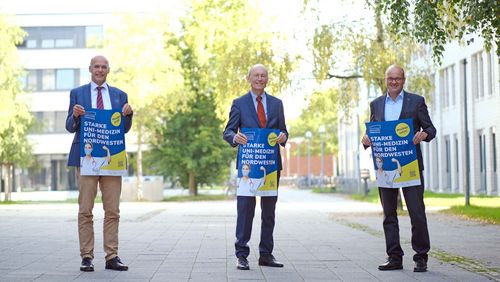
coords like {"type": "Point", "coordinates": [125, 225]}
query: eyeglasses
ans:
{"type": "Point", "coordinates": [397, 79]}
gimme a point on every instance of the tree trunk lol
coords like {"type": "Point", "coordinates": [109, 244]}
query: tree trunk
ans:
{"type": "Point", "coordinates": [192, 185]}
{"type": "Point", "coordinates": [8, 182]}
{"type": "Point", "coordinates": [139, 161]}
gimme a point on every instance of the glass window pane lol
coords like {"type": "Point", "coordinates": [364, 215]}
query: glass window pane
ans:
{"type": "Point", "coordinates": [84, 76]}
{"type": "Point", "coordinates": [65, 79]}
{"type": "Point", "coordinates": [31, 78]}
{"type": "Point", "coordinates": [93, 36]}
{"type": "Point", "coordinates": [31, 43]}
{"type": "Point", "coordinates": [48, 80]}
{"type": "Point", "coordinates": [64, 43]}
{"type": "Point", "coordinates": [48, 43]}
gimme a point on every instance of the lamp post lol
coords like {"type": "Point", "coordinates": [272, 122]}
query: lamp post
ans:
{"type": "Point", "coordinates": [298, 140]}
{"type": "Point", "coordinates": [308, 137]}
{"type": "Point", "coordinates": [321, 131]}
{"type": "Point", "coordinates": [287, 147]}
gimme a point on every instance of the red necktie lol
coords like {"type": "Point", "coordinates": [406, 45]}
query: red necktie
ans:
{"type": "Point", "coordinates": [260, 112]}
{"type": "Point", "coordinates": [100, 104]}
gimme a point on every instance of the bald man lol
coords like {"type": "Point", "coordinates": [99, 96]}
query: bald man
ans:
{"type": "Point", "coordinates": [256, 109]}
{"type": "Point", "coordinates": [399, 104]}
{"type": "Point", "coordinates": [97, 95]}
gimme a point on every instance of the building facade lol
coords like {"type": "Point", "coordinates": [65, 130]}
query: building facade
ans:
{"type": "Point", "coordinates": [55, 55]}
{"type": "Point", "coordinates": [466, 92]}
{"type": "Point", "coordinates": [466, 96]}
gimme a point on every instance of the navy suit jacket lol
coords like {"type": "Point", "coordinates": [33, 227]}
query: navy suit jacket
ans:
{"type": "Point", "coordinates": [414, 107]}
{"type": "Point", "coordinates": [82, 96]}
{"type": "Point", "coordinates": [244, 115]}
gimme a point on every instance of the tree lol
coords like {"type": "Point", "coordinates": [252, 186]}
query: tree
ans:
{"type": "Point", "coordinates": [228, 37]}
{"type": "Point", "coordinates": [438, 22]}
{"type": "Point", "coordinates": [144, 66]}
{"type": "Point", "coordinates": [187, 143]}
{"type": "Point", "coordinates": [321, 111]}
{"type": "Point", "coordinates": [15, 118]}
{"type": "Point", "coordinates": [371, 51]}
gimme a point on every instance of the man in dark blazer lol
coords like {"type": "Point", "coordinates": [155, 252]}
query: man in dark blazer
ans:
{"type": "Point", "coordinates": [256, 109]}
{"type": "Point", "coordinates": [399, 104]}
{"type": "Point", "coordinates": [98, 95]}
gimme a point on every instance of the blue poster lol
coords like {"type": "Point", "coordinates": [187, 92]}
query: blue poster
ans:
{"type": "Point", "coordinates": [102, 143]}
{"type": "Point", "coordinates": [394, 154]}
{"type": "Point", "coordinates": [258, 167]}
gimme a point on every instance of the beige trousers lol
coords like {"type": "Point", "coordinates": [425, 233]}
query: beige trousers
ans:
{"type": "Point", "coordinates": [110, 187]}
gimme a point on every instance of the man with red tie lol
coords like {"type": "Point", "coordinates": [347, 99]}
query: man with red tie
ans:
{"type": "Point", "coordinates": [256, 109]}
{"type": "Point", "coordinates": [97, 95]}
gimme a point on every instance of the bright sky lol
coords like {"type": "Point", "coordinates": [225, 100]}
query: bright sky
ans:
{"type": "Point", "coordinates": [280, 15]}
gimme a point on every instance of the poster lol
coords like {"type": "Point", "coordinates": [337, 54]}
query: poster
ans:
{"type": "Point", "coordinates": [258, 163]}
{"type": "Point", "coordinates": [102, 143]}
{"type": "Point", "coordinates": [394, 154]}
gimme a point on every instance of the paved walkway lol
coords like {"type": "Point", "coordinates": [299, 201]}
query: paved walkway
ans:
{"type": "Point", "coordinates": [317, 237]}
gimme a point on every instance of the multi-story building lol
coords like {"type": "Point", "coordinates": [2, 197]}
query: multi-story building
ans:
{"type": "Point", "coordinates": [55, 55]}
{"type": "Point", "coordinates": [466, 96]}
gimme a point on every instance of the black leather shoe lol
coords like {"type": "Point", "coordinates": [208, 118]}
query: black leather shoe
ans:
{"type": "Point", "coordinates": [116, 264]}
{"type": "Point", "coordinates": [420, 266]}
{"type": "Point", "coordinates": [269, 260]}
{"type": "Point", "coordinates": [242, 264]}
{"type": "Point", "coordinates": [87, 265]}
{"type": "Point", "coordinates": [391, 264]}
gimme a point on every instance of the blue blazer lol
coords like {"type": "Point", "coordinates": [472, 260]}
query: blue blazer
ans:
{"type": "Point", "coordinates": [414, 107]}
{"type": "Point", "coordinates": [82, 96]}
{"type": "Point", "coordinates": [244, 115]}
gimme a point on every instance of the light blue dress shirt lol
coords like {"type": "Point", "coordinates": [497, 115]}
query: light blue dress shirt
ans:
{"type": "Point", "coordinates": [393, 108]}
{"type": "Point", "coordinates": [264, 102]}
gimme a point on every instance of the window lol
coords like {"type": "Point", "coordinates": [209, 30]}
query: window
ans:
{"type": "Point", "coordinates": [54, 37]}
{"type": "Point", "coordinates": [477, 75]}
{"type": "Point", "coordinates": [30, 43]}
{"type": "Point", "coordinates": [48, 80]}
{"type": "Point", "coordinates": [491, 72]}
{"type": "Point", "coordinates": [480, 67]}
{"type": "Point", "coordinates": [48, 43]}
{"type": "Point", "coordinates": [457, 163]}
{"type": "Point", "coordinates": [447, 86]}
{"type": "Point", "coordinates": [64, 43]}
{"type": "Point", "coordinates": [65, 79]}
{"type": "Point", "coordinates": [494, 149]}
{"type": "Point", "coordinates": [50, 122]}
{"type": "Point", "coordinates": [452, 84]}
{"type": "Point", "coordinates": [93, 36]}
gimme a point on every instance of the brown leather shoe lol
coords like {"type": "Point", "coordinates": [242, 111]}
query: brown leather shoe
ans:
{"type": "Point", "coordinates": [116, 264]}
{"type": "Point", "coordinates": [391, 264]}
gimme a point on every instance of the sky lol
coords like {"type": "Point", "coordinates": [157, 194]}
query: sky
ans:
{"type": "Point", "coordinates": [284, 16]}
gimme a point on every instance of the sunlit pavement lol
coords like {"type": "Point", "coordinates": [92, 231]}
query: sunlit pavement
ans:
{"type": "Point", "coordinates": [317, 237]}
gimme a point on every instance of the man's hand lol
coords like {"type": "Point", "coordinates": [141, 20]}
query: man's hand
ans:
{"type": "Point", "coordinates": [366, 141]}
{"type": "Point", "coordinates": [78, 110]}
{"type": "Point", "coordinates": [240, 138]}
{"type": "Point", "coordinates": [127, 110]}
{"type": "Point", "coordinates": [281, 138]}
{"type": "Point", "coordinates": [419, 137]}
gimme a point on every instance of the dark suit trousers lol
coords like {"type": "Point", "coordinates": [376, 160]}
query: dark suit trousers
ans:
{"type": "Point", "coordinates": [246, 212]}
{"type": "Point", "coordinates": [414, 198]}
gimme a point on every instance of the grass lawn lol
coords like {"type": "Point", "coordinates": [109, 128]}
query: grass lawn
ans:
{"type": "Point", "coordinates": [199, 197]}
{"type": "Point", "coordinates": [69, 201]}
{"type": "Point", "coordinates": [324, 190]}
{"type": "Point", "coordinates": [482, 208]}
